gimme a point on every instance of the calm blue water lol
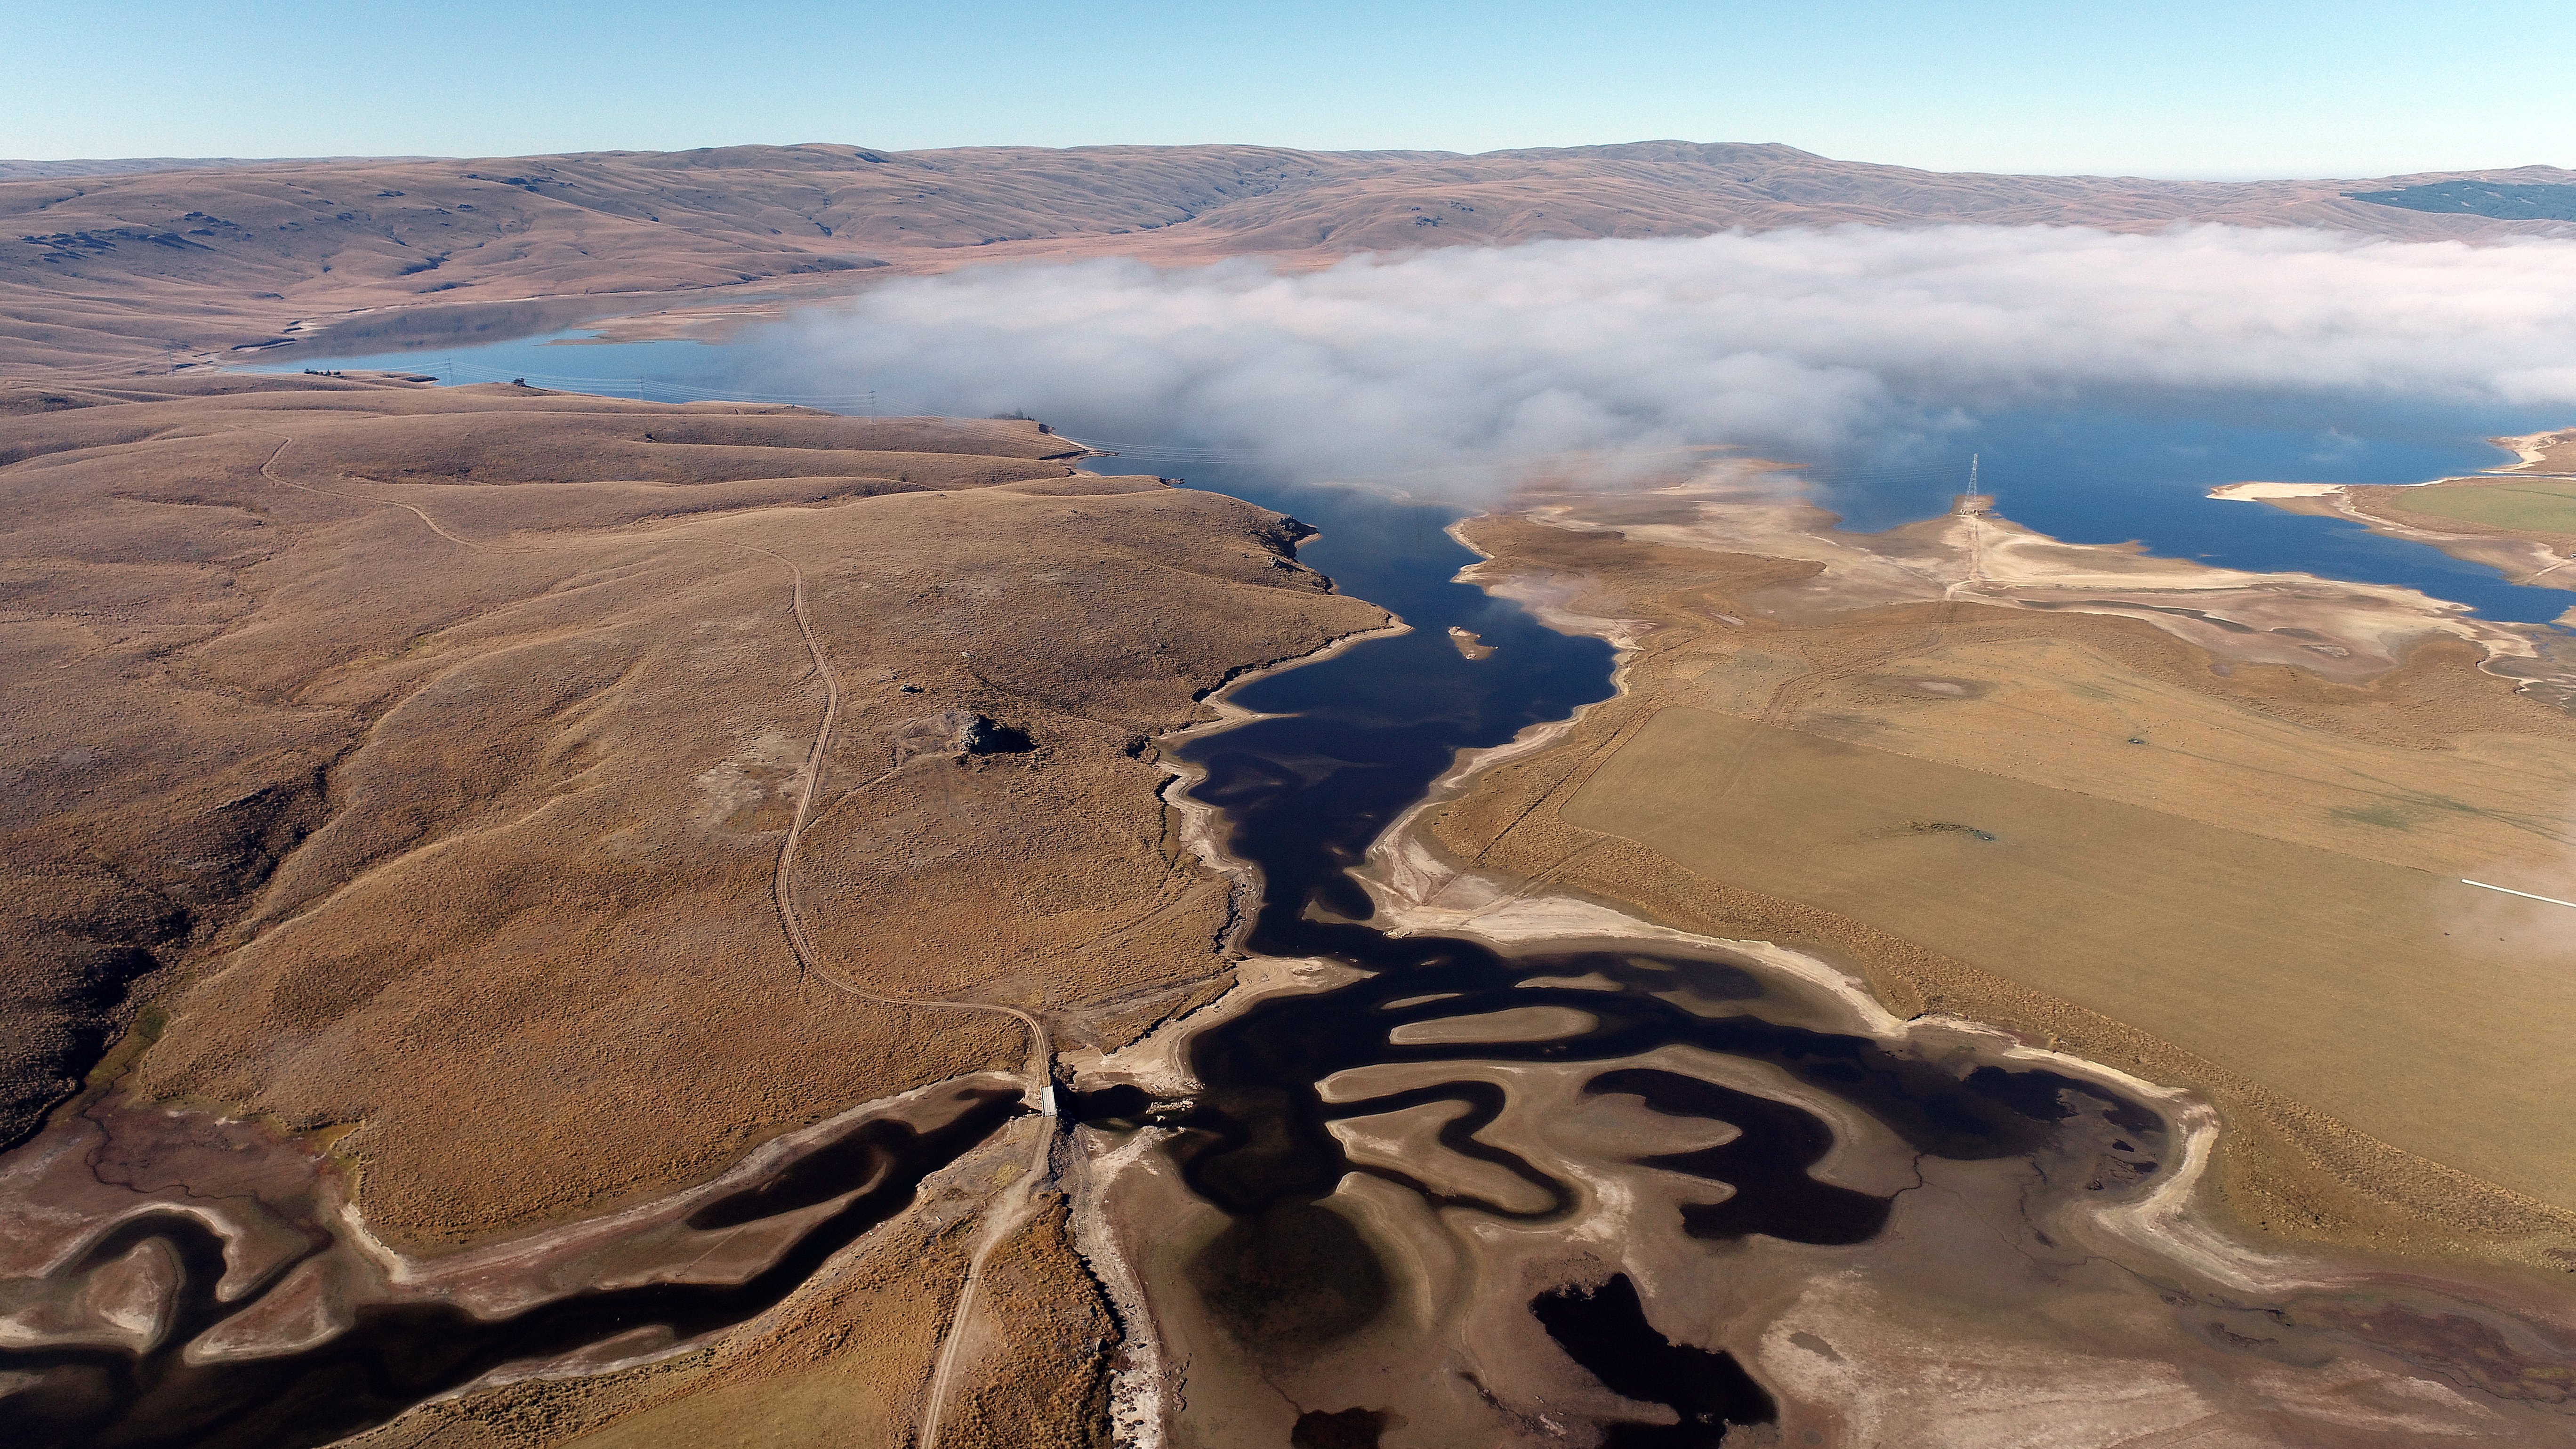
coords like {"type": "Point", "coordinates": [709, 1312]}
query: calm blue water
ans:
{"type": "Point", "coordinates": [653, 371]}
{"type": "Point", "coordinates": [2106, 475]}
{"type": "Point", "coordinates": [2085, 473]}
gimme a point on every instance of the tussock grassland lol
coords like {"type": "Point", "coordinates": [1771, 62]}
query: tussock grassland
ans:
{"type": "Point", "coordinates": [2239, 877]}
{"type": "Point", "coordinates": [430, 751]}
{"type": "Point", "coordinates": [2307, 970]}
{"type": "Point", "coordinates": [423, 758]}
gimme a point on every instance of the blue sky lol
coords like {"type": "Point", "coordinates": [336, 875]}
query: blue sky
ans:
{"type": "Point", "coordinates": [2217, 90]}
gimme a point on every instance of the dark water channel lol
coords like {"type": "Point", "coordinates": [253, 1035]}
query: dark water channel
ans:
{"type": "Point", "coordinates": [1353, 741]}
{"type": "Point", "coordinates": [395, 1355]}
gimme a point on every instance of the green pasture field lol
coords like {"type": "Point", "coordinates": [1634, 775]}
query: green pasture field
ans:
{"type": "Point", "coordinates": [2534, 505]}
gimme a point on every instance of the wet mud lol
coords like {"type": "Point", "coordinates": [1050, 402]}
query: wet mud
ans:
{"type": "Point", "coordinates": [215, 1295]}
{"type": "Point", "coordinates": [1418, 1190]}
{"type": "Point", "coordinates": [1712, 1201]}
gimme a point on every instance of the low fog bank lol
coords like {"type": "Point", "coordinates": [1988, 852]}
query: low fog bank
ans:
{"type": "Point", "coordinates": [1453, 370]}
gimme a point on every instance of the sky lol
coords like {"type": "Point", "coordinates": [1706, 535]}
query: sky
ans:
{"type": "Point", "coordinates": [2178, 90]}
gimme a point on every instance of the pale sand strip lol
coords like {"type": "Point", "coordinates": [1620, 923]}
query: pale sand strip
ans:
{"type": "Point", "coordinates": [2253, 491]}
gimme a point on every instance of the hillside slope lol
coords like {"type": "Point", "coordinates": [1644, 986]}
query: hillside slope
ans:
{"type": "Point", "coordinates": [162, 268]}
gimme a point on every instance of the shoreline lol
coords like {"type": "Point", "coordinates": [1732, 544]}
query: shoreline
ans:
{"type": "Point", "coordinates": [1143, 1385]}
{"type": "Point", "coordinates": [1407, 877]}
{"type": "Point", "coordinates": [2400, 1205]}
{"type": "Point", "coordinates": [2183, 1223]}
{"type": "Point", "coordinates": [2523, 559]}
{"type": "Point", "coordinates": [1401, 862]}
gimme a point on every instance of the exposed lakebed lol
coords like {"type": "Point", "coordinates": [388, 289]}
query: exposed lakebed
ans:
{"type": "Point", "coordinates": [2092, 469]}
{"type": "Point", "coordinates": [1699, 1200]}
{"type": "Point", "coordinates": [1397, 1207]}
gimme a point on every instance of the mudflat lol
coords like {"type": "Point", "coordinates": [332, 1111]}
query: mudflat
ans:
{"type": "Point", "coordinates": [2097, 820]}
{"type": "Point", "coordinates": [427, 757]}
{"type": "Point", "coordinates": [2306, 970]}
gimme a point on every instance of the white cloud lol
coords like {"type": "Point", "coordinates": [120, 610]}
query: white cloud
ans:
{"type": "Point", "coordinates": [1790, 342]}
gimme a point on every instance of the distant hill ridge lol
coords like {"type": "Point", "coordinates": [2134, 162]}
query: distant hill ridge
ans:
{"type": "Point", "coordinates": [2503, 199]}
{"type": "Point", "coordinates": [129, 165]}
{"type": "Point", "coordinates": [822, 154]}
{"type": "Point", "coordinates": [118, 264]}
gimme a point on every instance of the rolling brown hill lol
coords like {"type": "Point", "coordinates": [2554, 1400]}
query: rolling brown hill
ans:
{"type": "Point", "coordinates": [445, 739]}
{"type": "Point", "coordinates": [154, 269]}
{"type": "Point", "coordinates": [506, 811]}
{"type": "Point", "coordinates": [423, 770]}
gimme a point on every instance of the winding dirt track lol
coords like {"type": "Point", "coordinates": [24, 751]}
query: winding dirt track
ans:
{"type": "Point", "coordinates": [1017, 1199]}
{"type": "Point", "coordinates": [426, 521]}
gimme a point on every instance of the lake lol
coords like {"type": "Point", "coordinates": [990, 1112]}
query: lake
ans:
{"type": "Point", "coordinates": [2088, 472]}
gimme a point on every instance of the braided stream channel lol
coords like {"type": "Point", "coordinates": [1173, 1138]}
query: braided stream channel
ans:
{"type": "Point", "coordinates": [1412, 1187]}
{"type": "Point", "coordinates": [1420, 1186]}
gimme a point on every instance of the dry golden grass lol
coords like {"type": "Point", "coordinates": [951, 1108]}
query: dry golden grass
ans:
{"type": "Point", "coordinates": [846, 1361]}
{"type": "Point", "coordinates": [441, 741]}
{"type": "Point", "coordinates": [2375, 992]}
{"type": "Point", "coordinates": [2249, 900]}
{"type": "Point", "coordinates": [1040, 1375]}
